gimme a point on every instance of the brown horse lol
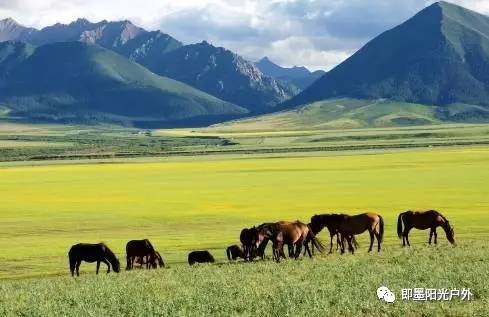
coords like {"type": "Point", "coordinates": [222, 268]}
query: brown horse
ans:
{"type": "Point", "coordinates": [99, 252]}
{"type": "Point", "coordinates": [295, 234]}
{"type": "Point", "coordinates": [332, 222]}
{"type": "Point", "coordinates": [349, 226]}
{"type": "Point", "coordinates": [151, 261]}
{"type": "Point", "coordinates": [234, 251]}
{"type": "Point", "coordinates": [430, 219]}
{"type": "Point", "coordinates": [144, 251]}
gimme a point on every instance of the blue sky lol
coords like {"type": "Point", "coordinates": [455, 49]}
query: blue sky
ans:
{"type": "Point", "coordinates": [317, 34]}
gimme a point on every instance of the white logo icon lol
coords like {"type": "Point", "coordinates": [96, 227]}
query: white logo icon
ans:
{"type": "Point", "coordinates": [385, 294]}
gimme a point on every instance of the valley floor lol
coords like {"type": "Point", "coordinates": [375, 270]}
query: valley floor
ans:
{"type": "Point", "coordinates": [202, 202]}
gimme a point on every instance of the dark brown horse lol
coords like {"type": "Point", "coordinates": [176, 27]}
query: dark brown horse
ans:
{"type": "Point", "coordinates": [294, 234]}
{"type": "Point", "coordinates": [253, 247]}
{"type": "Point", "coordinates": [430, 219]}
{"type": "Point", "coordinates": [142, 250]}
{"type": "Point", "coordinates": [153, 261]}
{"type": "Point", "coordinates": [249, 243]}
{"type": "Point", "coordinates": [235, 251]}
{"type": "Point", "coordinates": [332, 222]}
{"type": "Point", "coordinates": [200, 257]}
{"type": "Point", "coordinates": [349, 226]}
{"type": "Point", "coordinates": [99, 253]}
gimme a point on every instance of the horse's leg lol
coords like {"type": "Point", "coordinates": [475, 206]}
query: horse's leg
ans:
{"type": "Point", "coordinates": [436, 236]}
{"type": "Point", "coordinates": [306, 248]}
{"type": "Point", "coordinates": [77, 266]}
{"type": "Point", "coordinates": [331, 235]}
{"type": "Point", "coordinates": [106, 263]}
{"type": "Point", "coordinates": [342, 244]}
{"type": "Point", "coordinates": [351, 249]}
{"type": "Point", "coordinates": [407, 236]}
{"type": "Point", "coordinates": [371, 240]}
{"type": "Point", "coordinates": [298, 250]}
{"type": "Point", "coordinates": [98, 266]}
{"type": "Point", "coordinates": [431, 235]}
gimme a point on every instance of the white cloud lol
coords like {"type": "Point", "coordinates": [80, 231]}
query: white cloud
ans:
{"type": "Point", "coordinates": [315, 33]}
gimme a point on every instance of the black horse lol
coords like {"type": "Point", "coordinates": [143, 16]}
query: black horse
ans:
{"type": "Point", "coordinates": [143, 252]}
{"type": "Point", "coordinates": [200, 257]}
{"type": "Point", "coordinates": [99, 252]}
{"type": "Point", "coordinates": [234, 252]}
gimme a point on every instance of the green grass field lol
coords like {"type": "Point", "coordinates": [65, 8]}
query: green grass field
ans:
{"type": "Point", "coordinates": [202, 202]}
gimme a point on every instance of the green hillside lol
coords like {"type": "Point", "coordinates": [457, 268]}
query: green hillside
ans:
{"type": "Point", "coordinates": [356, 113]}
{"type": "Point", "coordinates": [438, 57]}
{"type": "Point", "coordinates": [74, 81]}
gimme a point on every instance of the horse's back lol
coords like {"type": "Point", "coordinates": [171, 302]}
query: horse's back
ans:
{"type": "Point", "coordinates": [202, 256]}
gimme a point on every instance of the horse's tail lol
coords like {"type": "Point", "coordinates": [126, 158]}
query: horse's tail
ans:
{"type": "Point", "coordinates": [228, 253]}
{"type": "Point", "coordinates": [72, 261]}
{"type": "Point", "coordinates": [128, 262]}
{"type": "Point", "coordinates": [316, 242]}
{"type": "Point", "coordinates": [400, 224]}
{"type": "Point", "coordinates": [381, 228]}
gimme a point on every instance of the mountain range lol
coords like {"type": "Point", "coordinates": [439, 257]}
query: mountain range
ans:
{"type": "Point", "coordinates": [202, 66]}
{"type": "Point", "coordinates": [432, 68]}
{"type": "Point", "coordinates": [301, 77]}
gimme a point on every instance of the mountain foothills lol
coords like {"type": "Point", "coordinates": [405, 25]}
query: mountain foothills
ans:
{"type": "Point", "coordinates": [439, 57]}
{"type": "Point", "coordinates": [432, 68]}
{"type": "Point", "coordinates": [45, 84]}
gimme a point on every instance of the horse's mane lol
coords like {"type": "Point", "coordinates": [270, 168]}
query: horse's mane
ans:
{"type": "Point", "coordinates": [149, 244]}
{"type": "Point", "coordinates": [110, 255]}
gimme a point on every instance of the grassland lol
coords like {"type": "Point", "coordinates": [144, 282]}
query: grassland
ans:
{"type": "Point", "coordinates": [202, 203]}
{"type": "Point", "coordinates": [327, 286]}
{"type": "Point", "coordinates": [192, 202]}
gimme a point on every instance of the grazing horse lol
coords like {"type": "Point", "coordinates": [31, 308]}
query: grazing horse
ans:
{"type": "Point", "coordinates": [142, 250]}
{"type": "Point", "coordinates": [349, 226]}
{"type": "Point", "coordinates": [92, 253]}
{"type": "Point", "coordinates": [295, 234]}
{"type": "Point", "coordinates": [332, 222]}
{"type": "Point", "coordinates": [253, 247]}
{"type": "Point", "coordinates": [152, 261]}
{"type": "Point", "coordinates": [430, 219]}
{"type": "Point", "coordinates": [200, 257]}
{"type": "Point", "coordinates": [234, 251]}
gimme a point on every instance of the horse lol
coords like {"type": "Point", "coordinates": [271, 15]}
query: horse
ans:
{"type": "Point", "coordinates": [234, 251]}
{"type": "Point", "coordinates": [99, 252]}
{"type": "Point", "coordinates": [254, 247]}
{"type": "Point", "coordinates": [290, 233]}
{"type": "Point", "coordinates": [247, 238]}
{"type": "Point", "coordinates": [200, 257]}
{"type": "Point", "coordinates": [423, 220]}
{"type": "Point", "coordinates": [153, 261]}
{"type": "Point", "coordinates": [140, 249]}
{"type": "Point", "coordinates": [349, 226]}
{"type": "Point", "coordinates": [332, 222]}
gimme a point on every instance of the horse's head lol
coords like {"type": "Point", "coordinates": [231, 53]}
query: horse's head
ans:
{"type": "Point", "coordinates": [317, 223]}
{"type": "Point", "coordinates": [116, 266]}
{"type": "Point", "coordinates": [450, 233]}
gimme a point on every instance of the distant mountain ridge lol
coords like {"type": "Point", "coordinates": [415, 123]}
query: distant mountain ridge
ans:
{"type": "Point", "coordinates": [438, 57]}
{"type": "Point", "coordinates": [299, 76]}
{"type": "Point", "coordinates": [202, 66]}
{"type": "Point", "coordinates": [45, 84]}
